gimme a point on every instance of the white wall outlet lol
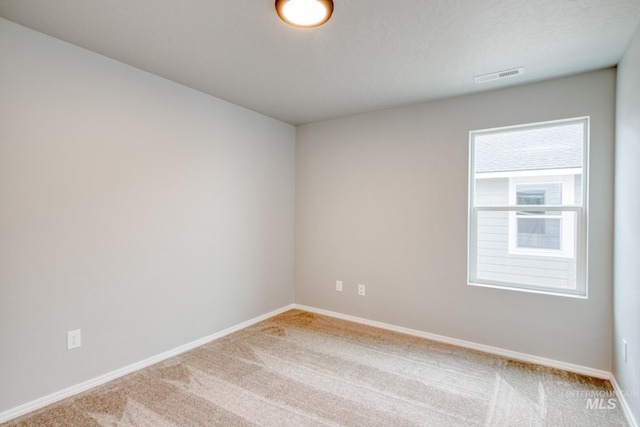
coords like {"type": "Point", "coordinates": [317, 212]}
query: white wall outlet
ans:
{"type": "Point", "coordinates": [339, 285]}
{"type": "Point", "coordinates": [361, 290]}
{"type": "Point", "coordinates": [624, 350]}
{"type": "Point", "coordinates": [74, 339]}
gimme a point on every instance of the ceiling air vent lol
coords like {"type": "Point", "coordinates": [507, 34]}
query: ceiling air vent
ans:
{"type": "Point", "coordinates": [499, 75]}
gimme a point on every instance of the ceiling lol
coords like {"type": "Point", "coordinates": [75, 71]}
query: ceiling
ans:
{"type": "Point", "coordinates": [371, 55]}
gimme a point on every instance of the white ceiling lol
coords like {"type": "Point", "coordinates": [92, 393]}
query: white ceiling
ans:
{"type": "Point", "coordinates": [372, 54]}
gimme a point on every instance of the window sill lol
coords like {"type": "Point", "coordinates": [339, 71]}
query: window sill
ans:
{"type": "Point", "coordinates": [529, 290]}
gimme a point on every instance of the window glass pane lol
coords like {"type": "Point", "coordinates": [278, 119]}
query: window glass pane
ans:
{"type": "Point", "coordinates": [536, 153]}
{"type": "Point", "coordinates": [539, 233]}
{"type": "Point", "coordinates": [549, 194]}
{"type": "Point", "coordinates": [539, 148]}
{"type": "Point", "coordinates": [531, 197]}
{"type": "Point", "coordinates": [496, 264]}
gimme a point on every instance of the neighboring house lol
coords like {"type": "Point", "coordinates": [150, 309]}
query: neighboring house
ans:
{"type": "Point", "coordinates": [535, 167]}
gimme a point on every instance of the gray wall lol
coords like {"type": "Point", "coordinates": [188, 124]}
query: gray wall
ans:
{"type": "Point", "coordinates": [145, 213]}
{"type": "Point", "coordinates": [627, 227]}
{"type": "Point", "coordinates": [381, 199]}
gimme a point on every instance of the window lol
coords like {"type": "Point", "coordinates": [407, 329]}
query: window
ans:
{"type": "Point", "coordinates": [527, 219]}
{"type": "Point", "coordinates": [542, 233]}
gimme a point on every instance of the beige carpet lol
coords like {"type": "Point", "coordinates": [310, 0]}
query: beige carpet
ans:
{"type": "Point", "coordinates": [300, 369]}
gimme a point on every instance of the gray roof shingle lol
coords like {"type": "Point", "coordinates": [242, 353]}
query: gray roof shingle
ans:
{"type": "Point", "coordinates": [558, 147]}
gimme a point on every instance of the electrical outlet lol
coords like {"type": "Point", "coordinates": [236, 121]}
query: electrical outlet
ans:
{"type": "Point", "coordinates": [361, 290]}
{"type": "Point", "coordinates": [624, 350]}
{"type": "Point", "coordinates": [74, 339]}
{"type": "Point", "coordinates": [339, 285]}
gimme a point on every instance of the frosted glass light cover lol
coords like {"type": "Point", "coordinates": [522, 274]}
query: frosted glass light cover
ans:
{"type": "Point", "coordinates": [304, 13]}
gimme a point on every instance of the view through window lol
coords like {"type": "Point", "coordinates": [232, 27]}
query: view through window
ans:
{"type": "Point", "coordinates": [527, 210]}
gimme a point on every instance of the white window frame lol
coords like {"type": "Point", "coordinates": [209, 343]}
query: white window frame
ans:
{"type": "Point", "coordinates": [580, 212]}
{"type": "Point", "coordinates": [567, 237]}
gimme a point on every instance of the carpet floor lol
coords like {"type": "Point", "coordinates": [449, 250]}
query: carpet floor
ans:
{"type": "Point", "coordinates": [302, 369]}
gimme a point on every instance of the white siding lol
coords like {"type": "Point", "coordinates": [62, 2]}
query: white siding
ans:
{"type": "Point", "coordinates": [494, 262]}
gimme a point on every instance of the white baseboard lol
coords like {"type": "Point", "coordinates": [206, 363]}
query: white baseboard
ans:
{"type": "Point", "coordinates": [466, 344]}
{"type": "Point", "coordinates": [94, 382]}
{"type": "Point", "coordinates": [621, 395]}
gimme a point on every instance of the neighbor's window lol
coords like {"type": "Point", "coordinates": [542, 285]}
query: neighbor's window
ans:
{"type": "Point", "coordinates": [527, 216]}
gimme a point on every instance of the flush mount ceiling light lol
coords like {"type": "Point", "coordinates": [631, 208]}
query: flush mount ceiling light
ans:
{"type": "Point", "coordinates": [304, 13]}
